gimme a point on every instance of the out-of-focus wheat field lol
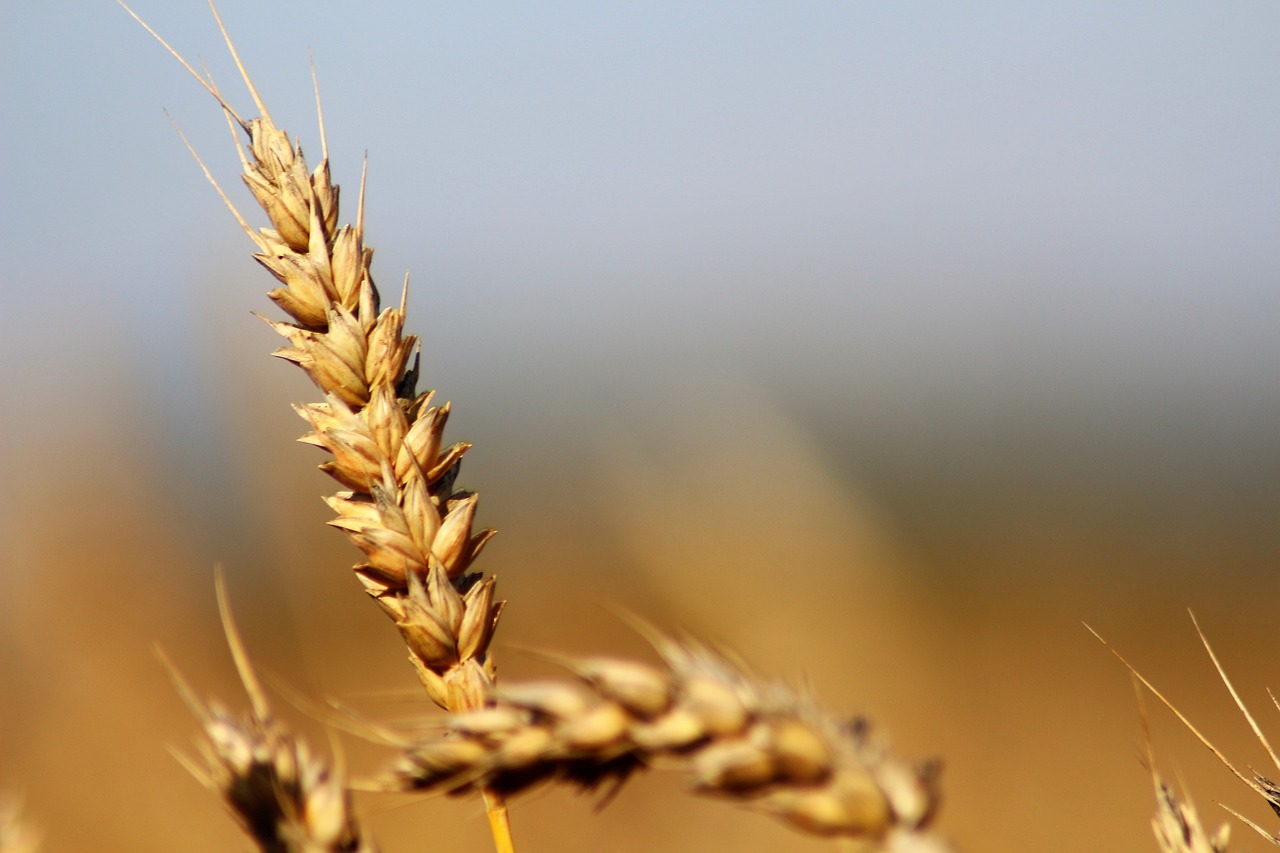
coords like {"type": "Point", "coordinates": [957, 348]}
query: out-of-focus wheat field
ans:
{"type": "Point", "coordinates": [884, 343]}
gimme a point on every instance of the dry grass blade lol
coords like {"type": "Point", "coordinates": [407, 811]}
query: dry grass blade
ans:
{"type": "Point", "coordinates": [756, 743]}
{"type": "Point", "coordinates": [1260, 784]}
{"type": "Point", "coordinates": [284, 797]}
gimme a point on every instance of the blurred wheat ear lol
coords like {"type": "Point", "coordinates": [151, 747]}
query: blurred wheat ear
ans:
{"type": "Point", "coordinates": [399, 504]}
{"type": "Point", "coordinates": [1176, 826]}
{"type": "Point", "coordinates": [280, 792]}
{"type": "Point", "coordinates": [736, 736]}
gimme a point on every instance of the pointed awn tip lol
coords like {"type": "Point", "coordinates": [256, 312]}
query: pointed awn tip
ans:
{"type": "Point", "coordinates": [206, 82]}
{"type": "Point", "coordinates": [1252, 783]}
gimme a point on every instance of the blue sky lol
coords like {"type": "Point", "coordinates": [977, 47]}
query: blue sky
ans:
{"type": "Point", "coordinates": [890, 215]}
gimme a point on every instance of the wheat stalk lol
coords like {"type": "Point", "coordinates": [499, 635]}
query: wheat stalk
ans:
{"type": "Point", "coordinates": [734, 735]}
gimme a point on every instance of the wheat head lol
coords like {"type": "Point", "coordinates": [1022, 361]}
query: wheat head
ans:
{"type": "Point", "coordinates": [399, 503]}
{"type": "Point", "coordinates": [1176, 825]}
{"type": "Point", "coordinates": [735, 736]}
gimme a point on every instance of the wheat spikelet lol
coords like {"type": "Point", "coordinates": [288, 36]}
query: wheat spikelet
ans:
{"type": "Point", "coordinates": [1176, 823]}
{"type": "Point", "coordinates": [734, 735]}
{"type": "Point", "coordinates": [283, 796]}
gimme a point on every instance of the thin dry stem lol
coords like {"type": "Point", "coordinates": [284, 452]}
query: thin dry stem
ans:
{"type": "Point", "coordinates": [1222, 673]}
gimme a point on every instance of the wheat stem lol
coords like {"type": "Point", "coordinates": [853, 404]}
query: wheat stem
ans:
{"type": "Point", "coordinates": [495, 807]}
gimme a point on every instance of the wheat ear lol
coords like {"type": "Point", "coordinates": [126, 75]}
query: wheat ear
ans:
{"type": "Point", "coordinates": [757, 743]}
{"type": "Point", "coordinates": [386, 441]}
{"type": "Point", "coordinates": [1257, 782]}
{"type": "Point", "coordinates": [399, 504]}
{"type": "Point", "coordinates": [282, 795]}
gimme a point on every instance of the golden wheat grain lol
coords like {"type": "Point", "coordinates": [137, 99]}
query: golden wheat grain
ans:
{"type": "Point", "coordinates": [734, 735]}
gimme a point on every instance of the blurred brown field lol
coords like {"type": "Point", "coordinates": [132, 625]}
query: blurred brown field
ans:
{"type": "Point", "coordinates": [952, 620]}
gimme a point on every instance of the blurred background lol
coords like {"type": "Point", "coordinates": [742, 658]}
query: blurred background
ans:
{"type": "Point", "coordinates": [885, 343]}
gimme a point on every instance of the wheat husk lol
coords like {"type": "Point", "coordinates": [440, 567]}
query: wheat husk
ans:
{"type": "Point", "coordinates": [1177, 826]}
